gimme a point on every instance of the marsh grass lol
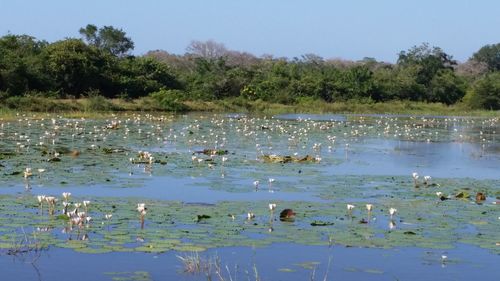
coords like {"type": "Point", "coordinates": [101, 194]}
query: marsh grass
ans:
{"type": "Point", "coordinates": [213, 269]}
{"type": "Point", "coordinates": [27, 249]}
{"type": "Point", "coordinates": [98, 104]}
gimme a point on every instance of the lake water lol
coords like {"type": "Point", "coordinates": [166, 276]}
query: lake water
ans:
{"type": "Point", "coordinates": [200, 184]}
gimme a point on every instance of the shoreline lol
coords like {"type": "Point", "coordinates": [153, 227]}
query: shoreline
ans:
{"type": "Point", "coordinates": [89, 107]}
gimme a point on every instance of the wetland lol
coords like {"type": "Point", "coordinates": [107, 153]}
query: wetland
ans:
{"type": "Point", "coordinates": [200, 196]}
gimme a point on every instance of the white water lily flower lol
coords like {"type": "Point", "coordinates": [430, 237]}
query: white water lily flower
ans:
{"type": "Point", "coordinates": [66, 195]}
{"type": "Point", "coordinates": [350, 207]}
{"type": "Point", "coordinates": [369, 207]}
{"type": "Point", "coordinates": [141, 207]}
{"type": "Point", "coordinates": [27, 173]}
{"type": "Point", "coordinates": [392, 225]}
{"type": "Point", "coordinates": [392, 211]}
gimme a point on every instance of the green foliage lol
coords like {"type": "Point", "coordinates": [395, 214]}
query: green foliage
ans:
{"type": "Point", "coordinates": [98, 66]}
{"type": "Point", "coordinates": [490, 55]}
{"type": "Point", "coordinates": [170, 100]}
{"type": "Point", "coordinates": [107, 38]}
{"type": "Point", "coordinates": [430, 60]}
{"type": "Point", "coordinates": [74, 66]}
{"type": "Point", "coordinates": [485, 93]}
{"type": "Point", "coordinates": [36, 104]}
{"type": "Point", "coordinates": [96, 102]}
{"type": "Point", "coordinates": [446, 87]}
{"type": "Point", "coordinates": [21, 65]}
{"type": "Point", "coordinates": [138, 77]}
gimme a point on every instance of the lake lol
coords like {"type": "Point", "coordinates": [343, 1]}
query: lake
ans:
{"type": "Point", "coordinates": [236, 196]}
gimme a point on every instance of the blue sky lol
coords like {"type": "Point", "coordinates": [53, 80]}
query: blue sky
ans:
{"type": "Point", "coordinates": [349, 29]}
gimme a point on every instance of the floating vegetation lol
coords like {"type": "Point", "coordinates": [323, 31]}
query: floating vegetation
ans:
{"type": "Point", "coordinates": [172, 225]}
{"type": "Point", "coordinates": [288, 159]}
{"type": "Point", "coordinates": [211, 152]}
{"type": "Point", "coordinates": [129, 276]}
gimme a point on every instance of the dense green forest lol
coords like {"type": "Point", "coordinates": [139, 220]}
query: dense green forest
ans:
{"type": "Point", "coordinates": [99, 64]}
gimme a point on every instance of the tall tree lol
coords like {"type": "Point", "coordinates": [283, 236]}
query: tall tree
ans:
{"type": "Point", "coordinates": [75, 66]}
{"type": "Point", "coordinates": [21, 66]}
{"type": "Point", "coordinates": [430, 60]}
{"type": "Point", "coordinates": [108, 38]}
{"type": "Point", "coordinates": [207, 49]}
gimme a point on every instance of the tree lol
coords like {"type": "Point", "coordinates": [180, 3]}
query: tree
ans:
{"type": "Point", "coordinates": [207, 49]}
{"type": "Point", "coordinates": [21, 66]}
{"type": "Point", "coordinates": [446, 87]}
{"type": "Point", "coordinates": [108, 38]}
{"type": "Point", "coordinates": [143, 75]}
{"type": "Point", "coordinates": [75, 67]}
{"type": "Point", "coordinates": [490, 55]}
{"type": "Point", "coordinates": [398, 83]}
{"type": "Point", "coordinates": [485, 93]}
{"type": "Point", "coordinates": [430, 60]}
{"type": "Point", "coordinates": [471, 69]}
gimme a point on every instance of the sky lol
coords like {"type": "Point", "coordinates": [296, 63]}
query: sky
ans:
{"type": "Point", "coordinates": [346, 29]}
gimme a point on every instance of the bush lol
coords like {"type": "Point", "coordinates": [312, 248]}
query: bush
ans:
{"type": "Point", "coordinates": [36, 104]}
{"type": "Point", "coordinates": [99, 103]}
{"type": "Point", "coordinates": [169, 100]}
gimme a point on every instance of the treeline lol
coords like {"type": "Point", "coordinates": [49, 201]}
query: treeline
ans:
{"type": "Point", "coordinates": [100, 64]}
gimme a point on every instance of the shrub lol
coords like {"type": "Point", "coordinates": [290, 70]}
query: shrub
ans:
{"type": "Point", "coordinates": [99, 103]}
{"type": "Point", "coordinates": [169, 100]}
